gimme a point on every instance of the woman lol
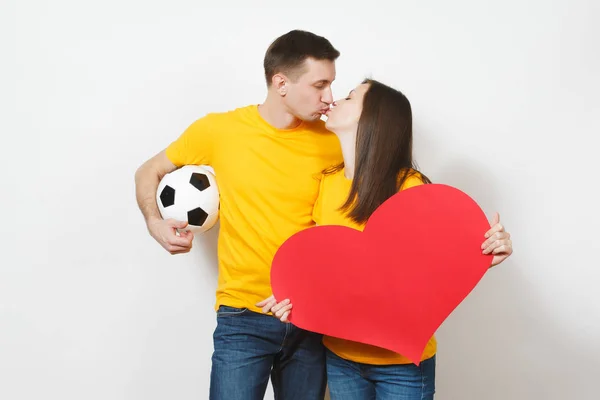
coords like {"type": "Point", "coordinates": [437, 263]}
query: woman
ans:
{"type": "Point", "coordinates": [374, 126]}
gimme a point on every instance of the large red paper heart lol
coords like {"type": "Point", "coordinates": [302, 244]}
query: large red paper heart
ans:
{"type": "Point", "coordinates": [393, 284]}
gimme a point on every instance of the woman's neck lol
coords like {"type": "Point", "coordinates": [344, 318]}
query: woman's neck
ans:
{"type": "Point", "coordinates": [348, 143]}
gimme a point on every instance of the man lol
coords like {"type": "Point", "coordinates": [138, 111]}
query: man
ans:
{"type": "Point", "coordinates": [267, 161]}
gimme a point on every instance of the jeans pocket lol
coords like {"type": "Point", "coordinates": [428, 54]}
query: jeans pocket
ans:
{"type": "Point", "coordinates": [226, 311]}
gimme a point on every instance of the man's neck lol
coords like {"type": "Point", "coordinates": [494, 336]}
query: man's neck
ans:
{"type": "Point", "coordinates": [276, 115]}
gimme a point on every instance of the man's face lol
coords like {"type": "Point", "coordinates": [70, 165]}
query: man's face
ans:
{"type": "Point", "coordinates": [309, 95]}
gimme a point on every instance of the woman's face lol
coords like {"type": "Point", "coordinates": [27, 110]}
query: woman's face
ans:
{"type": "Point", "coordinates": [345, 113]}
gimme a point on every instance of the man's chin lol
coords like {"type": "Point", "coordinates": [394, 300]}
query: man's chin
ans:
{"type": "Point", "coordinates": [313, 117]}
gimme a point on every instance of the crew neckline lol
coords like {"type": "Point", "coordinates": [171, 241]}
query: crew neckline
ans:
{"type": "Point", "coordinates": [296, 129]}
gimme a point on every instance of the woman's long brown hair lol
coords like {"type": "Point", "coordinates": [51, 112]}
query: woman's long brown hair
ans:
{"type": "Point", "coordinates": [383, 151]}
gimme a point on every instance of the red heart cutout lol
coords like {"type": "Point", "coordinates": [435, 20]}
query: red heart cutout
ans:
{"type": "Point", "coordinates": [393, 284]}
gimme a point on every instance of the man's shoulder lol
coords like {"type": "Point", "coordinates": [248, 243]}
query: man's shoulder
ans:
{"type": "Point", "coordinates": [327, 140]}
{"type": "Point", "coordinates": [234, 114]}
{"type": "Point", "coordinates": [318, 126]}
{"type": "Point", "coordinates": [328, 145]}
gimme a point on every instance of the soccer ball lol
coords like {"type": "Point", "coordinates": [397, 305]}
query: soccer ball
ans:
{"type": "Point", "coordinates": [190, 194]}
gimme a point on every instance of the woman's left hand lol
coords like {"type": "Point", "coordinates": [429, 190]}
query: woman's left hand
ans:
{"type": "Point", "coordinates": [280, 310]}
{"type": "Point", "coordinates": [498, 242]}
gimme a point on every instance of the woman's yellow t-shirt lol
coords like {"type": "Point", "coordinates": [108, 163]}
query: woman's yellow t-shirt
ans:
{"type": "Point", "coordinates": [333, 192]}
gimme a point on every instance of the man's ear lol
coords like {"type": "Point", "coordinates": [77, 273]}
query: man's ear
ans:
{"type": "Point", "coordinates": [279, 83]}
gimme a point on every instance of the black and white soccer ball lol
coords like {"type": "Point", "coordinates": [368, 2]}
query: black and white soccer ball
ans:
{"type": "Point", "coordinates": [190, 194]}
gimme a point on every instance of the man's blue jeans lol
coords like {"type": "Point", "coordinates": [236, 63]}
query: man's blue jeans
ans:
{"type": "Point", "coordinates": [249, 347]}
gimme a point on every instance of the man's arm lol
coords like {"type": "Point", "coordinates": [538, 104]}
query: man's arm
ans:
{"type": "Point", "coordinates": [147, 178]}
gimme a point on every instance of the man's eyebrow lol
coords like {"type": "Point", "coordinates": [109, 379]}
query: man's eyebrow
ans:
{"type": "Point", "coordinates": [322, 81]}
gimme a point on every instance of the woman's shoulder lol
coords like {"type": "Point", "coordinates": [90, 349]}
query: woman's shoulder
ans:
{"type": "Point", "coordinates": [412, 178]}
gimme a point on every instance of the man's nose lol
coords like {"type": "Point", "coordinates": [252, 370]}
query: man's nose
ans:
{"type": "Point", "coordinates": [327, 97]}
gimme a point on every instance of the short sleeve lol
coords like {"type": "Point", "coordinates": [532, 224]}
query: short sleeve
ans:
{"type": "Point", "coordinates": [195, 145]}
{"type": "Point", "coordinates": [411, 181]}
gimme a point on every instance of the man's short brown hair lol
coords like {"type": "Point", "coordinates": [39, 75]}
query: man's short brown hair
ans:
{"type": "Point", "coordinates": [288, 53]}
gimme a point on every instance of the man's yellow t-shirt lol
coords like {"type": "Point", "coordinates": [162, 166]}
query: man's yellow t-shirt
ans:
{"type": "Point", "coordinates": [333, 192]}
{"type": "Point", "coordinates": [268, 182]}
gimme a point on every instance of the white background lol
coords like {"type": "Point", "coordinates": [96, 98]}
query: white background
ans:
{"type": "Point", "coordinates": [506, 105]}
